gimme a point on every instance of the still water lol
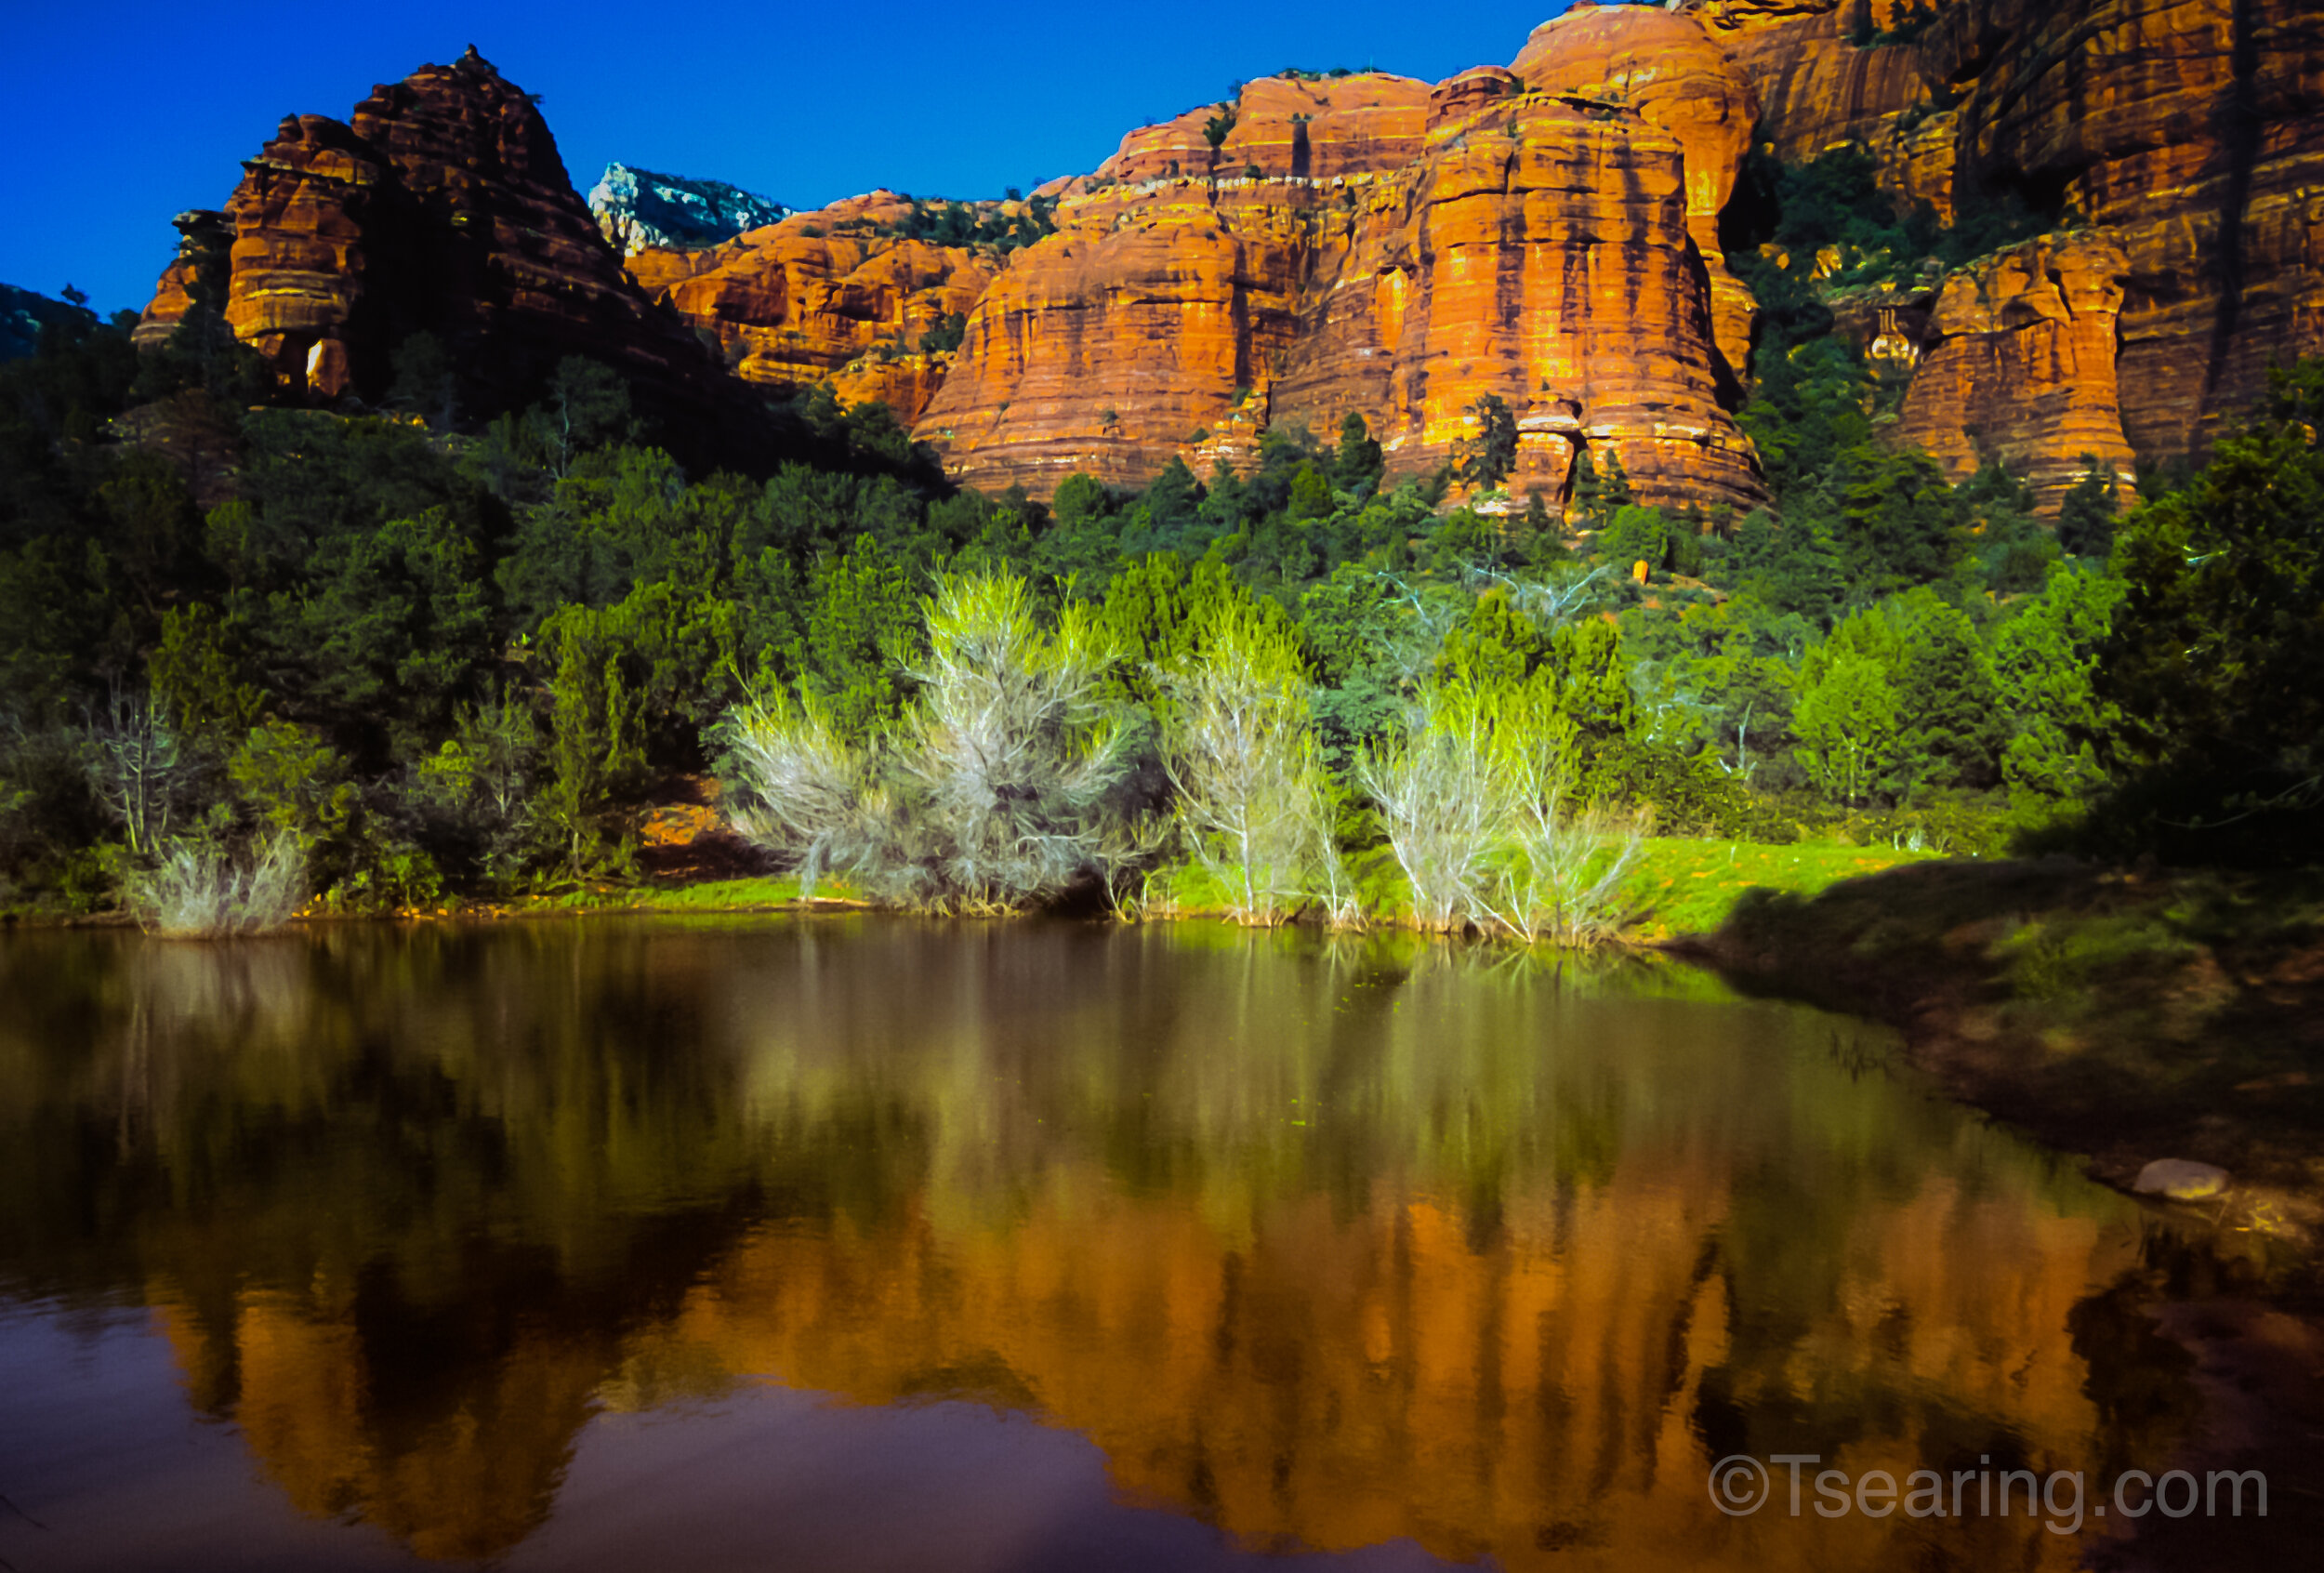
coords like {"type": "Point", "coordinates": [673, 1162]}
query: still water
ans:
{"type": "Point", "coordinates": [847, 1242]}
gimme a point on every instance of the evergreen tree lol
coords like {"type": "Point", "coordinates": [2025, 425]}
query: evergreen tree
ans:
{"type": "Point", "coordinates": [1486, 459]}
{"type": "Point", "coordinates": [1847, 723]}
{"type": "Point", "coordinates": [2043, 659]}
{"type": "Point", "coordinates": [1583, 510]}
{"type": "Point", "coordinates": [1359, 462]}
{"type": "Point", "coordinates": [2086, 516]}
{"type": "Point", "coordinates": [1614, 492]}
{"type": "Point", "coordinates": [2215, 660]}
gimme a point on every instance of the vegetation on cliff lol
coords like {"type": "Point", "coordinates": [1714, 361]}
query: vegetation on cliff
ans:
{"type": "Point", "coordinates": [451, 664]}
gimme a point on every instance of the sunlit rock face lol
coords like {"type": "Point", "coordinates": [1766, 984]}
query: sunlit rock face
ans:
{"type": "Point", "coordinates": [2023, 367]}
{"type": "Point", "coordinates": [2189, 134]}
{"type": "Point", "coordinates": [834, 296]}
{"type": "Point", "coordinates": [200, 230]}
{"type": "Point", "coordinates": [1668, 69]}
{"type": "Point", "coordinates": [1367, 244]}
{"type": "Point", "coordinates": [442, 207]}
{"type": "Point", "coordinates": [636, 208]}
{"type": "Point", "coordinates": [1548, 234]}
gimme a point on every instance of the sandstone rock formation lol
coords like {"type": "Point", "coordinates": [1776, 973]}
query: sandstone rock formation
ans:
{"type": "Point", "coordinates": [1401, 252]}
{"type": "Point", "coordinates": [636, 208]}
{"type": "Point", "coordinates": [2023, 367]}
{"type": "Point", "coordinates": [1667, 67]}
{"type": "Point", "coordinates": [1309, 128]}
{"type": "Point", "coordinates": [833, 295]}
{"type": "Point", "coordinates": [442, 207]}
{"type": "Point", "coordinates": [1548, 233]}
{"type": "Point", "coordinates": [202, 232]}
{"type": "Point", "coordinates": [2190, 133]}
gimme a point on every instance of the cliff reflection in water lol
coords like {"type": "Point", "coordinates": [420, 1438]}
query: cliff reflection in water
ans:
{"type": "Point", "coordinates": [1323, 1242]}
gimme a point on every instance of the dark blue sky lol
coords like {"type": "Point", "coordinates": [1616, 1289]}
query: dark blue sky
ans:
{"type": "Point", "coordinates": [114, 116]}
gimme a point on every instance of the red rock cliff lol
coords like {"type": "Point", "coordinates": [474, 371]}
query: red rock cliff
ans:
{"type": "Point", "coordinates": [832, 295]}
{"type": "Point", "coordinates": [2186, 135]}
{"type": "Point", "coordinates": [442, 207]}
{"type": "Point", "coordinates": [1400, 251]}
{"type": "Point", "coordinates": [1548, 234]}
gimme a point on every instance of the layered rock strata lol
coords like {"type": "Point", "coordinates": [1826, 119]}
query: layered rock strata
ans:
{"type": "Point", "coordinates": [1548, 234]}
{"type": "Point", "coordinates": [441, 206]}
{"type": "Point", "coordinates": [202, 232]}
{"type": "Point", "coordinates": [835, 295]}
{"type": "Point", "coordinates": [1486, 236]}
{"type": "Point", "coordinates": [2190, 133]}
{"type": "Point", "coordinates": [2023, 367]}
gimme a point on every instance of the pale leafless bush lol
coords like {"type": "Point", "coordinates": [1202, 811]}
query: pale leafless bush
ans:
{"type": "Point", "coordinates": [1478, 810]}
{"type": "Point", "coordinates": [805, 791]}
{"type": "Point", "coordinates": [995, 791]}
{"type": "Point", "coordinates": [138, 768]}
{"type": "Point", "coordinates": [201, 892]}
{"type": "Point", "coordinates": [1443, 803]}
{"type": "Point", "coordinates": [1253, 797]}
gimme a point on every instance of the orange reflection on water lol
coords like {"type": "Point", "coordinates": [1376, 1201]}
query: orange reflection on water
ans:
{"type": "Point", "coordinates": [1326, 1254]}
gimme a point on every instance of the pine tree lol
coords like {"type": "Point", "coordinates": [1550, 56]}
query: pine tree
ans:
{"type": "Point", "coordinates": [2086, 516]}
{"type": "Point", "coordinates": [1486, 459]}
{"type": "Point", "coordinates": [1359, 462]}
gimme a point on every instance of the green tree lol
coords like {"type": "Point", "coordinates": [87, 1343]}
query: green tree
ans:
{"type": "Point", "coordinates": [1079, 546]}
{"type": "Point", "coordinates": [1311, 496]}
{"type": "Point", "coordinates": [2086, 514]}
{"type": "Point", "coordinates": [1950, 727]}
{"type": "Point", "coordinates": [395, 629]}
{"type": "Point", "coordinates": [587, 405]}
{"type": "Point", "coordinates": [197, 674]}
{"type": "Point", "coordinates": [596, 745]}
{"type": "Point", "coordinates": [860, 635]}
{"type": "Point", "coordinates": [2214, 663]}
{"type": "Point", "coordinates": [1486, 459]}
{"type": "Point", "coordinates": [2043, 661]}
{"type": "Point", "coordinates": [1847, 723]}
{"type": "Point", "coordinates": [1359, 462]}
{"type": "Point", "coordinates": [1637, 534]}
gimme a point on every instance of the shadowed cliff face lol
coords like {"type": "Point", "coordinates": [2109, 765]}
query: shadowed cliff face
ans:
{"type": "Point", "coordinates": [443, 207]}
{"type": "Point", "coordinates": [2188, 134]}
{"type": "Point", "coordinates": [1321, 1243]}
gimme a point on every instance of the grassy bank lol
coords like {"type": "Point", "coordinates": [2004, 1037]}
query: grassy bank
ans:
{"type": "Point", "coordinates": [2127, 1016]}
{"type": "Point", "coordinates": [1681, 884]}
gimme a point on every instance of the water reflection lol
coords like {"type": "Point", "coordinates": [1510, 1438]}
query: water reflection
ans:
{"type": "Point", "coordinates": [1325, 1242]}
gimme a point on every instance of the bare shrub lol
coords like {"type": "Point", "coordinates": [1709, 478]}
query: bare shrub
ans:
{"type": "Point", "coordinates": [1253, 800]}
{"type": "Point", "coordinates": [138, 767]}
{"type": "Point", "coordinates": [1560, 877]}
{"type": "Point", "coordinates": [995, 791]}
{"type": "Point", "coordinates": [803, 790]}
{"type": "Point", "coordinates": [200, 891]}
{"type": "Point", "coordinates": [1478, 810]}
{"type": "Point", "coordinates": [1443, 803]}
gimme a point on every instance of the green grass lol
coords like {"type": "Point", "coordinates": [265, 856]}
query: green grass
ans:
{"type": "Point", "coordinates": [1688, 884]}
{"type": "Point", "coordinates": [755, 894]}
{"type": "Point", "coordinates": [1681, 885]}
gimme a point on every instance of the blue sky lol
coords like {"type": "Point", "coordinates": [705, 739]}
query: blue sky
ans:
{"type": "Point", "coordinates": [114, 116]}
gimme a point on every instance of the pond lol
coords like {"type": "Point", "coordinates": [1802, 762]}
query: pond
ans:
{"type": "Point", "coordinates": [841, 1241]}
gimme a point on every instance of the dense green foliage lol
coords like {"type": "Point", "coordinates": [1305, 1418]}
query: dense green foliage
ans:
{"type": "Point", "coordinates": [451, 656]}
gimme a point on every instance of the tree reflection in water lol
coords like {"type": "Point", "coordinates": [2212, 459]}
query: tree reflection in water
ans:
{"type": "Point", "coordinates": [1323, 1240]}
